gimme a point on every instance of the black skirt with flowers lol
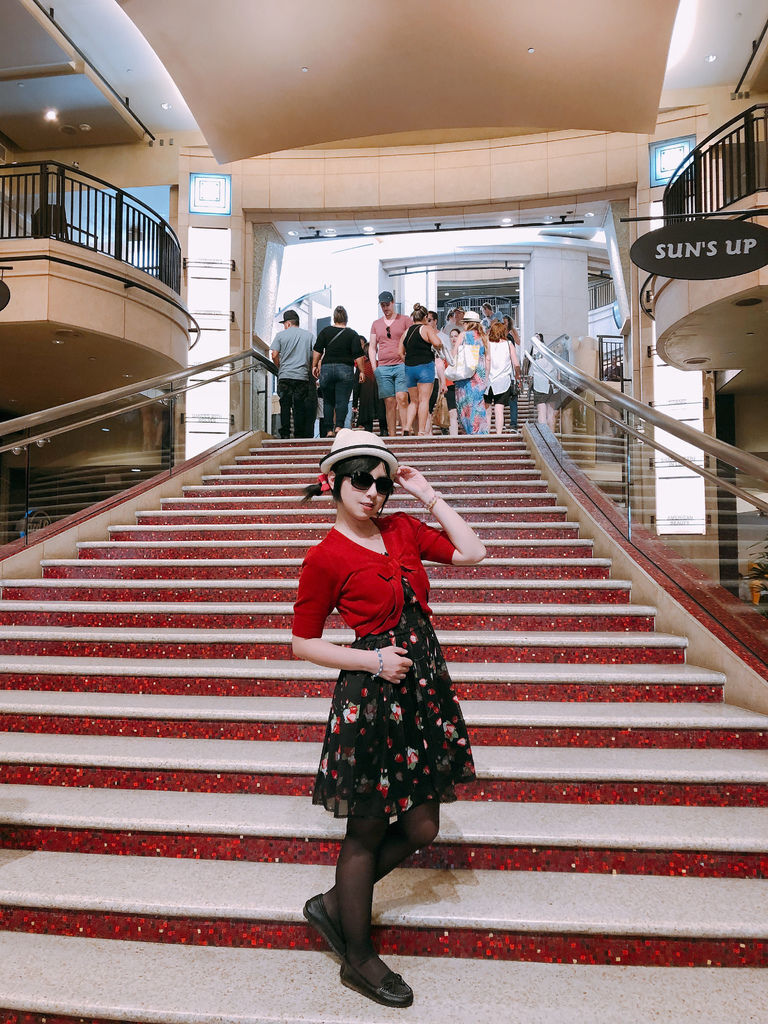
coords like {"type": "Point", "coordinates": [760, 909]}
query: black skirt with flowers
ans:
{"type": "Point", "coordinates": [391, 746]}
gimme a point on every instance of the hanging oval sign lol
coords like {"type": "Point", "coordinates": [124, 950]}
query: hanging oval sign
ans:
{"type": "Point", "coordinates": [702, 250]}
{"type": "Point", "coordinates": [5, 294]}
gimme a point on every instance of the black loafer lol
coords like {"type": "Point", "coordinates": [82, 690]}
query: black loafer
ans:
{"type": "Point", "coordinates": [391, 990]}
{"type": "Point", "coordinates": [315, 912]}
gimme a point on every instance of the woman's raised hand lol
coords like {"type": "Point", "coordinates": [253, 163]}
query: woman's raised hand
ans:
{"type": "Point", "coordinates": [395, 664]}
{"type": "Point", "coordinates": [415, 483]}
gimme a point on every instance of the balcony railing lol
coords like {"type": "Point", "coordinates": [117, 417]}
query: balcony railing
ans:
{"type": "Point", "coordinates": [729, 165]}
{"type": "Point", "coordinates": [52, 200]}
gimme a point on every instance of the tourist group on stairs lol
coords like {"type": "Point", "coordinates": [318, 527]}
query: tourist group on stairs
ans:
{"type": "Point", "coordinates": [396, 744]}
{"type": "Point", "coordinates": [409, 376]}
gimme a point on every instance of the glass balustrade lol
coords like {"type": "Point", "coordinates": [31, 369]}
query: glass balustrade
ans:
{"type": "Point", "coordinates": [79, 461]}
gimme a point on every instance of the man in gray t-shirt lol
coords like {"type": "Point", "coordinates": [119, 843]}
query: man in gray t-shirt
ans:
{"type": "Point", "coordinates": [296, 387]}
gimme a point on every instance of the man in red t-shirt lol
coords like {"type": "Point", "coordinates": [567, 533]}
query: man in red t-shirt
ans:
{"type": "Point", "coordinates": [388, 367]}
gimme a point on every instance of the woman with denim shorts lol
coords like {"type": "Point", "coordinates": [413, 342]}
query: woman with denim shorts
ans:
{"type": "Point", "coordinates": [417, 348]}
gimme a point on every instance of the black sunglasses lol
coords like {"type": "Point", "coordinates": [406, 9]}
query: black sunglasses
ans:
{"type": "Point", "coordinates": [362, 482]}
{"type": "Point", "coordinates": [388, 333]}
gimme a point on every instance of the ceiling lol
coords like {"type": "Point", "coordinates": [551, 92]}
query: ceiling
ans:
{"type": "Point", "coordinates": [297, 73]}
{"type": "Point", "coordinates": [239, 66]}
{"type": "Point", "coordinates": [727, 335]}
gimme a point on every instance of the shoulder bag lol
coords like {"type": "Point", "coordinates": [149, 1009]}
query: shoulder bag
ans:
{"type": "Point", "coordinates": [467, 359]}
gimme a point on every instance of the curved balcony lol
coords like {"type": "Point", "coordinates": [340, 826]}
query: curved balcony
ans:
{"type": "Point", "coordinates": [53, 200]}
{"type": "Point", "coordinates": [729, 165]}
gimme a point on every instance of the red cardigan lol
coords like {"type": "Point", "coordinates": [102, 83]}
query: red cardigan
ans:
{"type": "Point", "coordinates": [363, 584]}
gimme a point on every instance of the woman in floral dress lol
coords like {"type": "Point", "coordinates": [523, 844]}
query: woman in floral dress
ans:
{"type": "Point", "coordinates": [470, 394]}
{"type": "Point", "coordinates": [396, 743]}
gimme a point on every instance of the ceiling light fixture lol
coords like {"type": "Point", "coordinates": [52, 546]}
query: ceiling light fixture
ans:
{"type": "Point", "coordinates": [305, 70]}
{"type": "Point", "coordinates": [368, 229]}
{"type": "Point", "coordinates": [710, 58]}
{"type": "Point", "coordinates": [85, 127]}
{"type": "Point", "coordinates": [135, 470]}
{"type": "Point", "coordinates": [330, 231]}
{"type": "Point", "coordinates": [506, 220]}
{"type": "Point", "coordinates": [105, 430]}
{"type": "Point", "coordinates": [166, 106]}
{"type": "Point", "coordinates": [51, 115]}
{"type": "Point", "coordinates": [590, 214]}
{"type": "Point", "coordinates": [531, 49]}
{"type": "Point", "coordinates": [57, 341]}
{"type": "Point", "coordinates": [293, 234]}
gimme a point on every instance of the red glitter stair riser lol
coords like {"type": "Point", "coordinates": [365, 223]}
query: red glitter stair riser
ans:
{"type": "Point", "coordinates": [219, 595]}
{"type": "Point", "coordinates": [543, 528]}
{"type": "Point", "coordinates": [529, 548]}
{"type": "Point", "coordinates": [441, 855]}
{"type": "Point", "coordinates": [109, 569]}
{"type": "Point", "coordinates": [466, 943]}
{"type": "Point", "coordinates": [511, 790]}
{"type": "Point", "coordinates": [27, 1017]}
{"type": "Point", "coordinates": [604, 622]}
{"type": "Point", "coordinates": [223, 686]}
{"type": "Point", "coordinates": [267, 473]}
{"type": "Point", "coordinates": [302, 732]}
{"type": "Point", "coordinates": [282, 652]}
{"type": "Point", "coordinates": [271, 497]}
{"type": "Point", "coordinates": [239, 503]}
{"type": "Point", "coordinates": [522, 508]}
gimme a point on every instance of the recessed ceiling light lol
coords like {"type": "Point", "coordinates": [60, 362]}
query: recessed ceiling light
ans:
{"type": "Point", "coordinates": [506, 220]}
{"type": "Point", "coordinates": [711, 58]}
{"type": "Point", "coordinates": [750, 301]}
{"type": "Point", "coordinates": [57, 341]}
{"type": "Point", "coordinates": [105, 430]}
{"type": "Point", "coordinates": [590, 214]}
{"type": "Point", "coordinates": [135, 470]}
{"type": "Point", "coordinates": [166, 106]}
{"type": "Point", "coordinates": [84, 127]}
{"type": "Point", "coordinates": [51, 115]}
{"type": "Point", "coordinates": [330, 231]}
{"type": "Point", "coordinates": [20, 85]}
{"type": "Point", "coordinates": [750, 334]}
{"type": "Point", "coordinates": [91, 359]}
{"type": "Point", "coordinates": [128, 376]}
{"type": "Point", "coordinates": [293, 234]}
{"type": "Point", "coordinates": [531, 49]}
{"type": "Point", "coordinates": [305, 70]}
{"type": "Point", "coordinates": [549, 218]}
{"type": "Point", "coordinates": [697, 361]}
{"type": "Point", "coordinates": [368, 229]}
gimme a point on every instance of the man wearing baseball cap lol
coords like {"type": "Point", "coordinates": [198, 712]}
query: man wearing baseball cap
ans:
{"type": "Point", "coordinates": [296, 388]}
{"type": "Point", "coordinates": [388, 367]}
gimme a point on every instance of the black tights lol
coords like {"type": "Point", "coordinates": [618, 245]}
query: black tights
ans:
{"type": "Point", "coordinates": [370, 850]}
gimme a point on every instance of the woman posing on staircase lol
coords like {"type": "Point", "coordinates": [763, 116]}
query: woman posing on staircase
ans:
{"type": "Point", "coordinates": [396, 743]}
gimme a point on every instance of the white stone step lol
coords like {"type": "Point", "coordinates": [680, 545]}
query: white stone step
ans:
{"type": "Point", "coordinates": [611, 826]}
{"type": "Point", "coordinates": [527, 901]}
{"type": "Point", "coordinates": [173, 984]}
{"type": "Point", "coordinates": [554, 764]}
{"type": "Point", "coordinates": [511, 714]}
{"type": "Point", "coordinates": [468, 638]}
{"type": "Point", "coordinates": [302, 544]}
{"type": "Point", "coordinates": [286, 608]}
{"type": "Point", "coordinates": [534, 673]}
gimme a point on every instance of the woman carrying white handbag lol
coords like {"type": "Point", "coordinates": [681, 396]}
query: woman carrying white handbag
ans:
{"type": "Point", "coordinates": [471, 365]}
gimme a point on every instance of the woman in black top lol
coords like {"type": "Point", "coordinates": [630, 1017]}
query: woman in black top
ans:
{"type": "Point", "coordinates": [338, 346]}
{"type": "Point", "coordinates": [417, 350]}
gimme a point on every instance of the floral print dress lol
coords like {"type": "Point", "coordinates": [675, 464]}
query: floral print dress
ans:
{"type": "Point", "coordinates": [391, 746]}
{"type": "Point", "coordinates": [470, 395]}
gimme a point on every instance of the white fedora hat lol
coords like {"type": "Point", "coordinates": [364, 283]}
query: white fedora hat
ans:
{"type": "Point", "coordinates": [350, 444]}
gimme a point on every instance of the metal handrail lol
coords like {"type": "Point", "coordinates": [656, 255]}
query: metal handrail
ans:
{"type": "Point", "coordinates": [82, 202]}
{"type": "Point", "coordinates": [82, 405]}
{"type": "Point", "coordinates": [720, 450]}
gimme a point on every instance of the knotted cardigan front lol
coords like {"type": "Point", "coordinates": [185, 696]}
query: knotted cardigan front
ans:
{"type": "Point", "coordinates": [365, 586]}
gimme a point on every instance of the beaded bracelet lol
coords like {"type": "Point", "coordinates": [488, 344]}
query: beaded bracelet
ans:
{"type": "Point", "coordinates": [431, 504]}
{"type": "Point", "coordinates": [377, 652]}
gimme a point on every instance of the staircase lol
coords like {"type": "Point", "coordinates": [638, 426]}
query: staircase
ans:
{"type": "Point", "coordinates": [157, 842]}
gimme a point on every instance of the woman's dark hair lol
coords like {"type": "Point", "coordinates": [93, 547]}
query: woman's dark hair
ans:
{"type": "Point", "coordinates": [344, 468]}
{"type": "Point", "coordinates": [419, 312]}
{"type": "Point", "coordinates": [340, 315]}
